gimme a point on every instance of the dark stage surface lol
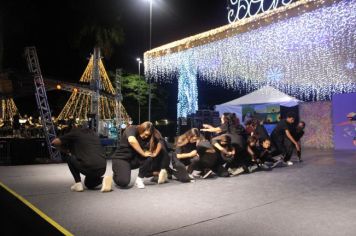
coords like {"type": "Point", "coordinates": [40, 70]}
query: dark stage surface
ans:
{"type": "Point", "coordinates": [316, 197]}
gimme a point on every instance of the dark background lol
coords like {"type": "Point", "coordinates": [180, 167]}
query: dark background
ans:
{"type": "Point", "coordinates": [52, 25]}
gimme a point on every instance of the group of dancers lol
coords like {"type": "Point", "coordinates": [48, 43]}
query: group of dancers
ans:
{"type": "Point", "coordinates": [232, 149]}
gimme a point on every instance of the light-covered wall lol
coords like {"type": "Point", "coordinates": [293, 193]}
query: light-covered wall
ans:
{"type": "Point", "coordinates": [318, 119]}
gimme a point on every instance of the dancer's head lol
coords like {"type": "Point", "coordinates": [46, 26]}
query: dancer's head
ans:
{"type": "Point", "coordinates": [225, 141]}
{"type": "Point", "coordinates": [290, 117]}
{"type": "Point", "coordinates": [301, 125]}
{"type": "Point", "coordinates": [266, 143]}
{"type": "Point", "coordinates": [252, 141]}
{"type": "Point", "coordinates": [191, 136]}
{"type": "Point", "coordinates": [145, 130]}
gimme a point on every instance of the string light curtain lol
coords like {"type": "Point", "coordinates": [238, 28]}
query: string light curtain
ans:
{"type": "Point", "coordinates": [306, 49]}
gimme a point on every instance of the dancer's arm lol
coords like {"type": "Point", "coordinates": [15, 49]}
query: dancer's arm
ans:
{"type": "Point", "coordinates": [289, 135]}
{"type": "Point", "coordinates": [136, 146]}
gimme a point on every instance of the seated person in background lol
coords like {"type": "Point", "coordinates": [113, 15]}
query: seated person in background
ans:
{"type": "Point", "coordinates": [86, 157]}
{"type": "Point", "coordinates": [227, 154]}
{"type": "Point", "coordinates": [140, 147]}
{"type": "Point", "coordinates": [283, 140]}
{"type": "Point", "coordinates": [265, 155]}
{"type": "Point", "coordinates": [256, 129]}
{"type": "Point", "coordinates": [254, 154]}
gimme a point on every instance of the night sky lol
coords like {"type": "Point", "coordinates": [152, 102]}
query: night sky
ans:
{"type": "Point", "coordinates": [51, 26]}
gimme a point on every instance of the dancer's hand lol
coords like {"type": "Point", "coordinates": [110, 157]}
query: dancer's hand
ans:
{"type": "Point", "coordinates": [297, 146]}
{"type": "Point", "coordinates": [148, 154]}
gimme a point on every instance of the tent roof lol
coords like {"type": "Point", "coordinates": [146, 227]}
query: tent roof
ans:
{"type": "Point", "coordinates": [266, 94]}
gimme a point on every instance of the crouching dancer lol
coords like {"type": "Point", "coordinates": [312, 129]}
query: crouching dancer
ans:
{"type": "Point", "coordinates": [84, 156]}
{"type": "Point", "coordinates": [140, 147]}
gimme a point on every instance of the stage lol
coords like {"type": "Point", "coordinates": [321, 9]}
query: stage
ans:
{"type": "Point", "coordinates": [316, 197]}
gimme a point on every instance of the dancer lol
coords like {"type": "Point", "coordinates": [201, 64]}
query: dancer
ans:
{"type": "Point", "coordinates": [84, 156]}
{"type": "Point", "coordinates": [228, 155]}
{"type": "Point", "coordinates": [185, 158]}
{"type": "Point", "coordinates": [140, 147]}
{"type": "Point", "coordinates": [255, 161]}
{"type": "Point", "coordinates": [283, 139]}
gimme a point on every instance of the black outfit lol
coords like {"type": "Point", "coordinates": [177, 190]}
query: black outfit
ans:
{"type": "Point", "coordinates": [126, 158]}
{"type": "Point", "coordinates": [281, 141]}
{"type": "Point", "coordinates": [236, 135]}
{"type": "Point", "coordinates": [179, 164]}
{"type": "Point", "coordinates": [261, 132]}
{"type": "Point", "coordinates": [16, 122]}
{"type": "Point", "coordinates": [86, 156]}
{"type": "Point", "coordinates": [210, 160]}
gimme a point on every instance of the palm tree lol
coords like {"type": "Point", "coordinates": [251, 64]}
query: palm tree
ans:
{"type": "Point", "coordinates": [98, 26]}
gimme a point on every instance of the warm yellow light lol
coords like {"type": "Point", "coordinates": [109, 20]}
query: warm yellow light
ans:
{"type": "Point", "coordinates": [59, 87]}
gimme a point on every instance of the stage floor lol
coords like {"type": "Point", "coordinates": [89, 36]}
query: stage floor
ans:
{"type": "Point", "coordinates": [316, 197]}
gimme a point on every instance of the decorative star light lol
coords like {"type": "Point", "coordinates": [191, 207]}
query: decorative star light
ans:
{"type": "Point", "coordinates": [350, 65]}
{"type": "Point", "coordinates": [311, 47]}
{"type": "Point", "coordinates": [275, 74]}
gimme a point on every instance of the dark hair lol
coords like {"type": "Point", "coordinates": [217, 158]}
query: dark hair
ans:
{"type": "Point", "coordinates": [155, 134]}
{"type": "Point", "coordinates": [230, 121]}
{"type": "Point", "coordinates": [291, 114]}
{"type": "Point", "coordinates": [184, 138]}
{"type": "Point", "coordinates": [226, 138]}
{"type": "Point", "coordinates": [265, 139]}
{"type": "Point", "coordinates": [251, 139]}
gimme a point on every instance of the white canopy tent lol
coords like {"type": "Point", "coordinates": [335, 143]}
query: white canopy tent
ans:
{"type": "Point", "coordinates": [265, 95]}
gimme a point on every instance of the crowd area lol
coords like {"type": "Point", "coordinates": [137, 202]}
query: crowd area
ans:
{"type": "Point", "coordinates": [230, 150]}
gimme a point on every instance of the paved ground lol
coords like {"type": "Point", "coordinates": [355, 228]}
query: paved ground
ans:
{"type": "Point", "coordinates": [316, 197]}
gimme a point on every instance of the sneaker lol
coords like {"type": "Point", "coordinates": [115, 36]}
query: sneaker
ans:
{"type": "Point", "coordinates": [278, 164]}
{"type": "Point", "coordinates": [197, 174]}
{"type": "Point", "coordinates": [252, 168]}
{"type": "Point", "coordinates": [139, 183]}
{"type": "Point", "coordinates": [107, 184]}
{"type": "Point", "coordinates": [162, 177]}
{"type": "Point", "coordinates": [237, 171]}
{"type": "Point", "coordinates": [77, 187]}
{"type": "Point", "coordinates": [207, 174]}
{"type": "Point", "coordinates": [289, 163]}
{"type": "Point", "coordinates": [264, 167]}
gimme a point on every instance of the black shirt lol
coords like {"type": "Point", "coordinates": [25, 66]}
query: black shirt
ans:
{"type": "Point", "coordinates": [126, 151]}
{"type": "Point", "coordinates": [187, 148]}
{"type": "Point", "coordinates": [298, 134]}
{"type": "Point", "coordinates": [279, 131]}
{"type": "Point", "coordinates": [16, 122]}
{"type": "Point", "coordinates": [261, 132]}
{"type": "Point", "coordinates": [86, 147]}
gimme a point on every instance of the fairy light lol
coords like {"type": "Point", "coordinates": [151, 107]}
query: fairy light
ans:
{"type": "Point", "coordinates": [8, 108]}
{"type": "Point", "coordinates": [313, 53]}
{"type": "Point", "coordinates": [78, 104]}
{"type": "Point", "coordinates": [187, 92]}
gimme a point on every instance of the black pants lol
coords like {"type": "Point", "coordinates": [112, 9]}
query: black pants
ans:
{"type": "Point", "coordinates": [181, 172]}
{"type": "Point", "coordinates": [284, 147]}
{"type": "Point", "coordinates": [93, 177]}
{"type": "Point", "coordinates": [162, 161]}
{"type": "Point", "coordinates": [122, 169]}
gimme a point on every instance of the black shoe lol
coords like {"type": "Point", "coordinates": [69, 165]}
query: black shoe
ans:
{"type": "Point", "coordinates": [154, 179]}
{"type": "Point", "coordinates": [246, 169]}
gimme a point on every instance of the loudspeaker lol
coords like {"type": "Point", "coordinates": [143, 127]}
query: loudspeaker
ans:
{"type": "Point", "coordinates": [4, 152]}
